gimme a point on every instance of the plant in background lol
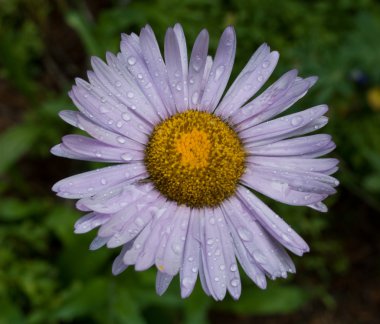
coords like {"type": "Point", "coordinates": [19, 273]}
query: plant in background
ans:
{"type": "Point", "coordinates": [180, 196]}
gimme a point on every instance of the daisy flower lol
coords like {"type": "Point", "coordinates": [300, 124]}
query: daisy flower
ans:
{"type": "Point", "coordinates": [188, 161]}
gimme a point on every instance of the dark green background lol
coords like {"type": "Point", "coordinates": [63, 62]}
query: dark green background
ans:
{"type": "Point", "coordinates": [47, 274]}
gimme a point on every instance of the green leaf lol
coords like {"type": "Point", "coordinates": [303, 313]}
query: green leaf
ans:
{"type": "Point", "coordinates": [15, 142]}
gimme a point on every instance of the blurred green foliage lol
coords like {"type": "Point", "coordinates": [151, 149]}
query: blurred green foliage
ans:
{"type": "Point", "coordinates": [47, 275]}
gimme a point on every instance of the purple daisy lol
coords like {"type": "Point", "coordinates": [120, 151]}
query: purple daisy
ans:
{"type": "Point", "coordinates": [181, 195]}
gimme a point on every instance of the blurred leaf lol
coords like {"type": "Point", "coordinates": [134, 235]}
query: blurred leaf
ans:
{"type": "Point", "coordinates": [276, 299]}
{"type": "Point", "coordinates": [15, 142]}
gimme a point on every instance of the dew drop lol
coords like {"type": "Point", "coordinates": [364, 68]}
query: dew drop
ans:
{"type": "Point", "coordinates": [119, 124]}
{"type": "Point", "coordinates": [210, 241]}
{"type": "Point", "coordinates": [218, 72]}
{"type": "Point", "coordinates": [118, 84]}
{"type": "Point", "coordinates": [125, 116]}
{"type": "Point", "coordinates": [222, 267]}
{"type": "Point", "coordinates": [130, 94]}
{"type": "Point", "coordinates": [103, 181]}
{"type": "Point", "coordinates": [194, 269]}
{"type": "Point", "coordinates": [212, 220]}
{"type": "Point", "coordinates": [195, 97]}
{"type": "Point", "coordinates": [186, 282]}
{"type": "Point", "coordinates": [178, 86]}
{"type": "Point", "coordinates": [234, 282]}
{"type": "Point", "coordinates": [191, 81]}
{"type": "Point", "coordinates": [176, 247]}
{"type": "Point", "coordinates": [120, 139]}
{"type": "Point", "coordinates": [244, 234]}
{"type": "Point", "coordinates": [295, 121]}
{"type": "Point", "coordinates": [131, 60]}
{"type": "Point", "coordinates": [139, 222]}
{"type": "Point", "coordinates": [103, 109]}
{"type": "Point", "coordinates": [191, 259]}
{"type": "Point", "coordinates": [139, 76]}
{"type": "Point", "coordinates": [265, 64]}
{"type": "Point", "coordinates": [126, 157]}
{"type": "Point", "coordinates": [233, 267]}
{"type": "Point", "coordinates": [260, 78]}
{"type": "Point", "coordinates": [98, 154]}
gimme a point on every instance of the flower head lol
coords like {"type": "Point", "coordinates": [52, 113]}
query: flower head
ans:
{"type": "Point", "coordinates": [181, 195]}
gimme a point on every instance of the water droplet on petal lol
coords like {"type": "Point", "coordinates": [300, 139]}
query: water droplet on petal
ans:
{"type": "Point", "coordinates": [139, 76]}
{"type": "Point", "coordinates": [265, 64]}
{"type": "Point", "coordinates": [139, 222]}
{"type": "Point", "coordinates": [233, 267]}
{"type": "Point", "coordinates": [178, 86]}
{"type": "Point", "coordinates": [295, 121]}
{"type": "Point", "coordinates": [118, 84]}
{"type": "Point", "coordinates": [103, 109]}
{"type": "Point", "coordinates": [131, 60]}
{"type": "Point", "coordinates": [126, 157]}
{"type": "Point", "coordinates": [130, 94]}
{"type": "Point", "coordinates": [120, 139]}
{"type": "Point", "coordinates": [125, 116]}
{"type": "Point", "coordinates": [177, 248]}
{"type": "Point", "coordinates": [244, 234]}
{"type": "Point", "coordinates": [195, 97]}
{"type": "Point", "coordinates": [103, 181]}
{"type": "Point", "coordinates": [218, 72]}
{"type": "Point", "coordinates": [186, 282]}
{"type": "Point", "coordinates": [235, 282]}
{"type": "Point", "coordinates": [210, 241]}
{"type": "Point", "coordinates": [194, 269]}
{"type": "Point", "coordinates": [260, 78]}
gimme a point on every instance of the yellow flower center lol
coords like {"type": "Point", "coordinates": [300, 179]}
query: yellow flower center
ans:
{"type": "Point", "coordinates": [195, 158]}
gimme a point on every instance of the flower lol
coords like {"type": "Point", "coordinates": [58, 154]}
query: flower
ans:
{"type": "Point", "coordinates": [181, 195]}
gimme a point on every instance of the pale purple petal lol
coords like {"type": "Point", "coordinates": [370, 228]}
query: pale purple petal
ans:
{"type": "Point", "coordinates": [282, 125]}
{"type": "Point", "coordinates": [177, 73]}
{"type": "Point", "coordinates": [118, 265]}
{"type": "Point", "coordinates": [147, 256]}
{"type": "Point", "coordinates": [250, 80]}
{"type": "Point", "coordinates": [89, 222]}
{"type": "Point", "coordinates": [281, 231]}
{"type": "Point", "coordinates": [132, 59]}
{"type": "Point", "coordinates": [114, 199]}
{"type": "Point", "coordinates": [213, 256]}
{"type": "Point", "coordinates": [229, 268]}
{"type": "Point", "coordinates": [197, 66]}
{"type": "Point", "coordinates": [156, 67]}
{"type": "Point", "coordinates": [78, 186]}
{"type": "Point", "coordinates": [220, 70]}
{"type": "Point", "coordinates": [274, 100]}
{"type": "Point", "coordinates": [94, 150]}
{"type": "Point", "coordinates": [163, 281]}
{"type": "Point", "coordinates": [303, 147]}
{"type": "Point", "coordinates": [190, 267]}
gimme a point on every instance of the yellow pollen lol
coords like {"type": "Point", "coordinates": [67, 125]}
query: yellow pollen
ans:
{"type": "Point", "coordinates": [195, 158]}
{"type": "Point", "coordinates": [194, 148]}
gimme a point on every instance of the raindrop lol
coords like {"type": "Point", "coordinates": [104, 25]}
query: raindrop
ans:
{"type": "Point", "coordinates": [233, 267]}
{"type": "Point", "coordinates": [234, 282]}
{"type": "Point", "coordinates": [119, 124]}
{"type": "Point", "coordinates": [216, 279]}
{"type": "Point", "coordinates": [191, 259]}
{"type": "Point", "coordinates": [98, 154]}
{"type": "Point", "coordinates": [296, 121]}
{"type": "Point", "coordinates": [118, 84]}
{"type": "Point", "coordinates": [218, 72]}
{"type": "Point", "coordinates": [102, 99]}
{"type": "Point", "coordinates": [126, 157]}
{"type": "Point", "coordinates": [191, 81]}
{"type": "Point", "coordinates": [131, 60]}
{"type": "Point", "coordinates": [212, 221]}
{"type": "Point", "coordinates": [260, 78]}
{"type": "Point", "coordinates": [195, 97]}
{"type": "Point", "coordinates": [244, 234]}
{"type": "Point", "coordinates": [222, 267]}
{"type": "Point", "coordinates": [103, 109]}
{"type": "Point", "coordinates": [210, 241]}
{"type": "Point", "coordinates": [179, 86]}
{"type": "Point", "coordinates": [103, 181]}
{"type": "Point", "coordinates": [265, 64]}
{"type": "Point", "coordinates": [125, 116]}
{"type": "Point", "coordinates": [120, 139]}
{"type": "Point", "coordinates": [194, 269]}
{"type": "Point", "coordinates": [130, 94]}
{"type": "Point", "coordinates": [139, 76]}
{"type": "Point", "coordinates": [186, 282]}
{"type": "Point", "coordinates": [139, 222]}
{"type": "Point", "coordinates": [176, 247]}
